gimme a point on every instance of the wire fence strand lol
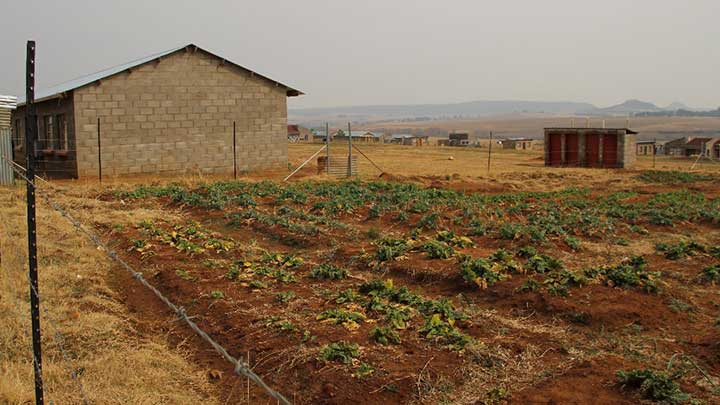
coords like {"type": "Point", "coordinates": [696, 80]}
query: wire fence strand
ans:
{"type": "Point", "coordinates": [239, 366]}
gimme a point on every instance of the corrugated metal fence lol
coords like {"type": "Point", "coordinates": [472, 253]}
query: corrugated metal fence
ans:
{"type": "Point", "coordinates": [6, 172]}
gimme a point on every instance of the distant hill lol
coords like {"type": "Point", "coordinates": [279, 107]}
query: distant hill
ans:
{"type": "Point", "coordinates": [429, 111]}
{"type": "Point", "coordinates": [676, 106]}
{"type": "Point", "coordinates": [628, 107]}
{"type": "Point", "coordinates": [467, 110]}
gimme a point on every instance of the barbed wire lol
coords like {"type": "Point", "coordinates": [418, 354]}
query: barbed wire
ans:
{"type": "Point", "coordinates": [240, 367]}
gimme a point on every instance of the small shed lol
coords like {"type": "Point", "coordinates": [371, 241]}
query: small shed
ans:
{"type": "Point", "coordinates": [518, 143]}
{"type": "Point", "coordinates": [7, 104]}
{"type": "Point", "coordinates": [590, 147]}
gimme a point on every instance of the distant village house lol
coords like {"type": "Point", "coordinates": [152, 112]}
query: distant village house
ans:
{"type": "Point", "coordinates": [456, 138]}
{"type": "Point", "coordinates": [517, 143]}
{"type": "Point", "coordinates": [408, 139]}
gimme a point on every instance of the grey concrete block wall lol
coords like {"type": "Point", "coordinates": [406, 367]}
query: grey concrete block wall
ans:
{"type": "Point", "coordinates": [175, 116]}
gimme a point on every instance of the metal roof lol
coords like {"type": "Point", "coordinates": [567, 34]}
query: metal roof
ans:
{"type": "Point", "coordinates": [57, 90]}
{"type": "Point", "coordinates": [8, 102]}
{"type": "Point", "coordinates": [627, 130]}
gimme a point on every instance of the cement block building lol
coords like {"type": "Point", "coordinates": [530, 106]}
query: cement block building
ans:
{"type": "Point", "coordinates": [169, 113]}
{"type": "Point", "coordinates": [590, 147]}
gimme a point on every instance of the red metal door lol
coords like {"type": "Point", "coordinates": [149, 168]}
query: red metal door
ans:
{"type": "Point", "coordinates": [555, 151]}
{"type": "Point", "coordinates": [572, 149]}
{"type": "Point", "coordinates": [592, 149]}
{"type": "Point", "coordinates": [610, 150]}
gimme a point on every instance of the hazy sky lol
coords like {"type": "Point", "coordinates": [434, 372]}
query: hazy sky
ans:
{"type": "Point", "coordinates": [394, 51]}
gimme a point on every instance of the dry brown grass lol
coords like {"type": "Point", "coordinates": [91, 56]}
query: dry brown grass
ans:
{"type": "Point", "coordinates": [512, 168]}
{"type": "Point", "coordinates": [116, 363]}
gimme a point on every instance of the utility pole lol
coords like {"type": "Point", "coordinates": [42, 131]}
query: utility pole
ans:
{"type": "Point", "coordinates": [30, 137]}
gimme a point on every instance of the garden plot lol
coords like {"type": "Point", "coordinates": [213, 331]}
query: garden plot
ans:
{"type": "Point", "coordinates": [388, 292]}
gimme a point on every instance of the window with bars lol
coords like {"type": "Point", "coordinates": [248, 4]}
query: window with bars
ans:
{"type": "Point", "coordinates": [61, 142]}
{"type": "Point", "coordinates": [46, 140]}
{"type": "Point", "coordinates": [19, 134]}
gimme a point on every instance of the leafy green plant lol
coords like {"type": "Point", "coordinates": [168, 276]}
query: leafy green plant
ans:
{"type": "Point", "coordinates": [328, 271]}
{"type": "Point", "coordinates": [631, 272]}
{"type": "Point", "coordinates": [529, 285]}
{"type": "Point", "coordinates": [437, 250]}
{"type": "Point", "coordinates": [343, 352]}
{"type": "Point", "coordinates": [284, 297]}
{"type": "Point", "coordinates": [559, 282]}
{"type": "Point", "coordinates": [573, 242]}
{"type": "Point", "coordinates": [654, 385]}
{"type": "Point", "coordinates": [711, 274]}
{"type": "Point", "coordinates": [257, 285]}
{"type": "Point", "coordinates": [443, 331]}
{"type": "Point", "coordinates": [543, 263]}
{"type": "Point", "coordinates": [363, 370]}
{"type": "Point", "coordinates": [348, 295]}
{"type": "Point", "coordinates": [217, 295]}
{"type": "Point", "coordinates": [340, 316]}
{"type": "Point", "coordinates": [390, 249]}
{"type": "Point", "coordinates": [479, 271]}
{"type": "Point", "coordinates": [184, 274]}
{"type": "Point", "coordinates": [680, 250]}
{"type": "Point", "coordinates": [385, 335]}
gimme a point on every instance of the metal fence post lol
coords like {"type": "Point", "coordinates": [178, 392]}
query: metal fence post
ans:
{"type": "Point", "coordinates": [30, 136]}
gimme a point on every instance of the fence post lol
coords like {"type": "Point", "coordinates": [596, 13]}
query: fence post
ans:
{"type": "Point", "coordinates": [489, 151]}
{"type": "Point", "coordinates": [327, 145]}
{"type": "Point", "coordinates": [99, 152]}
{"type": "Point", "coordinates": [234, 154]}
{"type": "Point", "coordinates": [349, 151]}
{"type": "Point", "coordinates": [30, 136]}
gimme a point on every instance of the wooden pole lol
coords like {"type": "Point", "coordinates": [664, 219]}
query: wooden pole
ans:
{"type": "Point", "coordinates": [327, 150]}
{"type": "Point", "coordinates": [489, 152]}
{"type": "Point", "coordinates": [349, 151]}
